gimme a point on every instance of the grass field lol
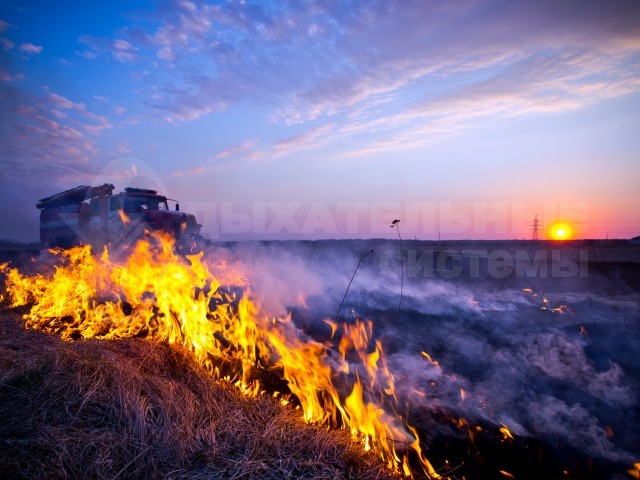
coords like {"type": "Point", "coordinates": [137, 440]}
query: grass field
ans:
{"type": "Point", "coordinates": [132, 409]}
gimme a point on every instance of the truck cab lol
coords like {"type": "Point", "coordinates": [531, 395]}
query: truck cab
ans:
{"type": "Point", "coordinates": [97, 216]}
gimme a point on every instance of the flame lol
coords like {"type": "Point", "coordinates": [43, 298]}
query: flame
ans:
{"type": "Point", "coordinates": [161, 296]}
{"type": "Point", "coordinates": [462, 423]}
{"type": "Point", "coordinates": [123, 216]}
{"type": "Point", "coordinates": [506, 474]}
{"type": "Point", "coordinates": [429, 359]}
{"type": "Point", "coordinates": [562, 309]}
{"type": "Point", "coordinates": [547, 304]}
{"type": "Point", "coordinates": [506, 432]}
{"type": "Point", "coordinates": [635, 471]}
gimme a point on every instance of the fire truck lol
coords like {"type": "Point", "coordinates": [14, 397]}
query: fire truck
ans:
{"type": "Point", "coordinates": [97, 216]}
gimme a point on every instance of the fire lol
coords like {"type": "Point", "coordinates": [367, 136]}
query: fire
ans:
{"type": "Point", "coordinates": [160, 296]}
{"type": "Point", "coordinates": [506, 432]}
{"type": "Point", "coordinates": [462, 423]}
{"type": "Point", "coordinates": [429, 359]}
{"type": "Point", "coordinates": [563, 309]}
{"type": "Point", "coordinates": [123, 216]}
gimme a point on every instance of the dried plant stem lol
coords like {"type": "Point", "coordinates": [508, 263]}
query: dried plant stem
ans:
{"type": "Point", "coordinates": [362, 257]}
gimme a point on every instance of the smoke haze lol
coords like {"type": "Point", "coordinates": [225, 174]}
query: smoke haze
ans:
{"type": "Point", "coordinates": [552, 359]}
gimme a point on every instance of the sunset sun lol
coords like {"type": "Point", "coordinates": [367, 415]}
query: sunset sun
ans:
{"type": "Point", "coordinates": [561, 231]}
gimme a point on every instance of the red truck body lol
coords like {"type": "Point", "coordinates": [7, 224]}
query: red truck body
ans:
{"type": "Point", "coordinates": [97, 216]}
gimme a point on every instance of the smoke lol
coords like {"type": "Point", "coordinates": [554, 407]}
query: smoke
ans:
{"type": "Point", "coordinates": [574, 425]}
{"type": "Point", "coordinates": [565, 360]}
{"type": "Point", "coordinates": [552, 359]}
{"type": "Point", "coordinates": [281, 275]}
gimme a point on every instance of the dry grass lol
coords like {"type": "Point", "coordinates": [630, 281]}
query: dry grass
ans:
{"type": "Point", "coordinates": [132, 409]}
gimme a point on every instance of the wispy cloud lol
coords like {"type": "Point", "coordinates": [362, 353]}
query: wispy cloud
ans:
{"type": "Point", "coordinates": [246, 149]}
{"type": "Point", "coordinates": [436, 65]}
{"type": "Point", "coordinates": [119, 48]}
{"type": "Point", "coordinates": [122, 50]}
{"type": "Point", "coordinates": [4, 41]}
{"type": "Point", "coordinates": [47, 137]}
{"type": "Point", "coordinates": [197, 170]}
{"type": "Point", "coordinates": [30, 48]}
{"type": "Point", "coordinates": [308, 139]}
{"type": "Point", "coordinates": [59, 101]}
{"type": "Point", "coordinates": [363, 77]}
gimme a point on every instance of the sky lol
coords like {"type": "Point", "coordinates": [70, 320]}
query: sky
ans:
{"type": "Point", "coordinates": [329, 118]}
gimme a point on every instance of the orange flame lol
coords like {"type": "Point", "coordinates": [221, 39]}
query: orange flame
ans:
{"type": "Point", "coordinates": [462, 423]}
{"type": "Point", "coordinates": [123, 217]}
{"type": "Point", "coordinates": [563, 309]}
{"type": "Point", "coordinates": [429, 359]}
{"type": "Point", "coordinates": [506, 433]}
{"type": "Point", "coordinates": [163, 297]}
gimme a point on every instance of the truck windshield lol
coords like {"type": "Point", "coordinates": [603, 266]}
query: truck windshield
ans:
{"type": "Point", "coordinates": [141, 203]}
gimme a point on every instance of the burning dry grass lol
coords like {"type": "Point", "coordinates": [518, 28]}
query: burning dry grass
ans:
{"type": "Point", "coordinates": [166, 298]}
{"type": "Point", "coordinates": [136, 409]}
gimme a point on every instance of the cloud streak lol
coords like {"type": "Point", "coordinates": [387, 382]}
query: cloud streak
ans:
{"type": "Point", "coordinates": [30, 48]}
{"type": "Point", "coordinates": [47, 138]}
{"type": "Point", "coordinates": [446, 65]}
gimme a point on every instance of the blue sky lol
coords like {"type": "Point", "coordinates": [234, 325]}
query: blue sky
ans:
{"type": "Point", "coordinates": [339, 114]}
